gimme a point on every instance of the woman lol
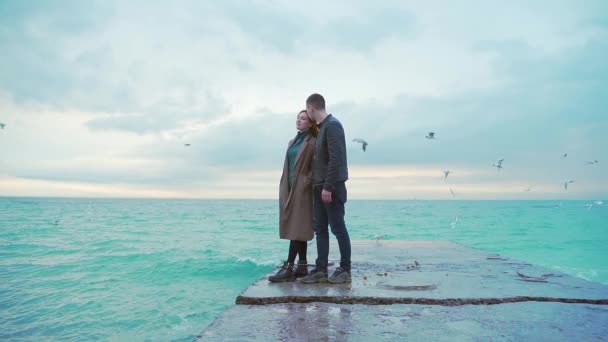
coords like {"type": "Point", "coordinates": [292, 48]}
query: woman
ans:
{"type": "Point", "coordinates": [295, 199]}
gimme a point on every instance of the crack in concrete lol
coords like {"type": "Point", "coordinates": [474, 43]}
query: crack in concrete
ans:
{"type": "Point", "coordinates": [241, 300]}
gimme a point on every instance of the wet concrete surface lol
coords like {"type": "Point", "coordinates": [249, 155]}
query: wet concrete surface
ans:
{"type": "Point", "coordinates": [421, 290]}
{"type": "Point", "coordinates": [529, 321]}
{"type": "Point", "coordinates": [442, 273]}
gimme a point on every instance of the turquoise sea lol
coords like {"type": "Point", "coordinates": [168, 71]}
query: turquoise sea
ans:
{"type": "Point", "coordinates": [161, 270]}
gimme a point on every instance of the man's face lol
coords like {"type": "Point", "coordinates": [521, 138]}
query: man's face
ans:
{"type": "Point", "coordinates": [311, 112]}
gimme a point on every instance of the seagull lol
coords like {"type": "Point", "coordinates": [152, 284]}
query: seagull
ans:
{"type": "Point", "coordinates": [592, 162]}
{"type": "Point", "coordinates": [453, 223]}
{"type": "Point", "coordinates": [565, 155]}
{"type": "Point", "coordinates": [2, 125]}
{"type": "Point", "coordinates": [446, 173]}
{"type": "Point", "coordinates": [431, 135]}
{"type": "Point", "coordinates": [599, 202]}
{"type": "Point", "coordinates": [452, 192]}
{"type": "Point", "coordinates": [589, 206]}
{"type": "Point", "coordinates": [498, 164]}
{"type": "Point", "coordinates": [528, 189]}
{"type": "Point", "coordinates": [414, 266]}
{"type": "Point", "coordinates": [362, 142]}
{"type": "Point", "coordinates": [379, 237]}
{"type": "Point", "coordinates": [56, 222]}
{"type": "Point", "coordinates": [186, 145]}
{"type": "Point", "coordinates": [566, 184]}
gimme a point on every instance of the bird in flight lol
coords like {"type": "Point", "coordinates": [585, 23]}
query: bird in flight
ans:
{"type": "Point", "coordinates": [593, 162]}
{"type": "Point", "coordinates": [565, 155]}
{"type": "Point", "coordinates": [362, 142]}
{"type": "Point", "coordinates": [566, 184]}
{"type": "Point", "coordinates": [498, 164]}
{"type": "Point", "coordinates": [431, 135]}
{"type": "Point", "coordinates": [446, 173]}
{"type": "Point", "coordinates": [186, 145]}
{"type": "Point", "coordinates": [2, 125]}
{"type": "Point", "coordinates": [452, 192]}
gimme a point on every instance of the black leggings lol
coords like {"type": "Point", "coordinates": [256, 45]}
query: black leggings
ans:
{"type": "Point", "coordinates": [297, 248]}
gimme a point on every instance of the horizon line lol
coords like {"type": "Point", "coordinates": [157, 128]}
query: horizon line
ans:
{"type": "Point", "coordinates": [272, 199]}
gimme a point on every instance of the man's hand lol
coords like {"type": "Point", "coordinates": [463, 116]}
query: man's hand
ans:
{"type": "Point", "coordinates": [326, 196]}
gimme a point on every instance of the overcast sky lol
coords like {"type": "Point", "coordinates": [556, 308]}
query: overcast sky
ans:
{"type": "Point", "coordinates": [99, 97]}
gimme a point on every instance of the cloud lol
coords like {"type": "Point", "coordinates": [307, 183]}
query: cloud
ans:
{"type": "Point", "coordinates": [109, 96]}
{"type": "Point", "coordinates": [185, 107]}
{"type": "Point", "coordinates": [537, 108]}
{"type": "Point", "coordinates": [319, 25]}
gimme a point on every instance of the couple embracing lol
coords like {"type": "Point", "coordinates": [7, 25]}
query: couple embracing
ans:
{"type": "Point", "coordinates": [312, 194]}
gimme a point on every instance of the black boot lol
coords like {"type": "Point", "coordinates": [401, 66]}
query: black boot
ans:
{"type": "Point", "coordinates": [285, 274]}
{"type": "Point", "coordinates": [302, 269]}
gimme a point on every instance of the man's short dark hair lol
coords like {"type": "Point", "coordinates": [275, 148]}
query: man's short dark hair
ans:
{"type": "Point", "coordinates": [316, 100]}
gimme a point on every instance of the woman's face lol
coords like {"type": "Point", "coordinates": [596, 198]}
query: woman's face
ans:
{"type": "Point", "coordinates": [303, 122]}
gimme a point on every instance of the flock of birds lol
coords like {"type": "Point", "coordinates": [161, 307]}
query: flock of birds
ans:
{"type": "Point", "coordinates": [432, 136]}
{"type": "Point", "coordinates": [498, 165]}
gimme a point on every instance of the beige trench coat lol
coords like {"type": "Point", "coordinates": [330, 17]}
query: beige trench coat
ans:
{"type": "Point", "coordinates": [295, 207]}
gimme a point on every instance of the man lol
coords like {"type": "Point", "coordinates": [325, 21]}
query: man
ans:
{"type": "Point", "coordinates": [330, 172]}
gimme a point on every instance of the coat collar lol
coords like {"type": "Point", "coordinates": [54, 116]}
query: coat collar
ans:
{"type": "Point", "coordinates": [302, 147]}
{"type": "Point", "coordinates": [327, 119]}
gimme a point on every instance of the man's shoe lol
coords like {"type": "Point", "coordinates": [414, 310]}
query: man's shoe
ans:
{"type": "Point", "coordinates": [315, 276]}
{"type": "Point", "coordinates": [302, 269]}
{"type": "Point", "coordinates": [340, 276]}
{"type": "Point", "coordinates": [285, 274]}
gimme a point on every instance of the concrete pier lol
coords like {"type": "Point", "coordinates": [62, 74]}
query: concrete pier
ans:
{"type": "Point", "coordinates": [421, 290]}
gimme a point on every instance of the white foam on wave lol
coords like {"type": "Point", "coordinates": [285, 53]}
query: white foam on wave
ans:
{"type": "Point", "coordinates": [267, 262]}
